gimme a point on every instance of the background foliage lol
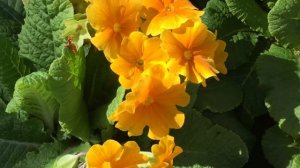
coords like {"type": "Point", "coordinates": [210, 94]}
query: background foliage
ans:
{"type": "Point", "coordinates": [52, 101]}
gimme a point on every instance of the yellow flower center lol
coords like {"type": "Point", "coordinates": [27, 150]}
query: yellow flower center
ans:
{"type": "Point", "coordinates": [169, 8]}
{"type": "Point", "coordinates": [140, 63]}
{"type": "Point", "coordinates": [117, 27]}
{"type": "Point", "coordinates": [148, 101]}
{"type": "Point", "coordinates": [188, 54]}
{"type": "Point", "coordinates": [106, 164]}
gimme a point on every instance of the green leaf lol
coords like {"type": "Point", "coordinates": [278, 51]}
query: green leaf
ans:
{"type": "Point", "coordinates": [240, 47]}
{"type": "Point", "coordinates": [208, 144]}
{"type": "Point", "coordinates": [284, 22]}
{"type": "Point", "coordinates": [76, 30]}
{"type": "Point", "coordinates": [250, 13]}
{"type": "Point", "coordinates": [278, 72]}
{"type": "Point", "coordinates": [41, 38]}
{"type": "Point", "coordinates": [66, 161]}
{"type": "Point", "coordinates": [218, 18]}
{"type": "Point", "coordinates": [280, 149]}
{"type": "Point", "coordinates": [12, 8]}
{"type": "Point", "coordinates": [231, 122]}
{"type": "Point", "coordinates": [17, 138]}
{"type": "Point", "coordinates": [9, 28]}
{"type": "Point", "coordinates": [45, 158]}
{"type": "Point", "coordinates": [11, 67]}
{"type": "Point", "coordinates": [66, 81]}
{"type": "Point", "coordinates": [112, 107]}
{"type": "Point", "coordinates": [219, 96]}
{"type": "Point", "coordinates": [55, 155]}
{"type": "Point", "coordinates": [31, 98]}
{"type": "Point", "coordinates": [100, 81]}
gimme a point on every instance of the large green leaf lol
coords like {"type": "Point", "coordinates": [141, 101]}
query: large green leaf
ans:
{"type": "Point", "coordinates": [41, 38]}
{"type": "Point", "coordinates": [66, 81]}
{"type": "Point", "coordinates": [11, 67]}
{"type": "Point", "coordinates": [278, 72]}
{"type": "Point", "coordinates": [219, 96]}
{"type": "Point", "coordinates": [208, 144]}
{"type": "Point", "coordinates": [280, 149]}
{"type": "Point", "coordinates": [250, 13]}
{"type": "Point", "coordinates": [17, 138]}
{"type": "Point", "coordinates": [284, 22]}
{"type": "Point", "coordinates": [31, 98]}
{"type": "Point", "coordinates": [100, 80]}
{"type": "Point", "coordinates": [231, 122]}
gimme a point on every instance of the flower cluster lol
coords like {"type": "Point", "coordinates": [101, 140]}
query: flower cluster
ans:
{"type": "Point", "coordinates": [113, 155]}
{"type": "Point", "coordinates": [155, 47]}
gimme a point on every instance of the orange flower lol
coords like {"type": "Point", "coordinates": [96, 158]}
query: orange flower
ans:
{"type": "Point", "coordinates": [165, 152]}
{"type": "Point", "coordinates": [152, 103]}
{"type": "Point", "coordinates": [113, 155]}
{"type": "Point", "coordinates": [194, 52]}
{"type": "Point", "coordinates": [113, 20]}
{"type": "Point", "coordinates": [137, 53]}
{"type": "Point", "coordinates": [168, 14]}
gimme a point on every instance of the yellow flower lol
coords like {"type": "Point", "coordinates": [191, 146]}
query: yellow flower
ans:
{"type": "Point", "coordinates": [113, 155]}
{"type": "Point", "coordinates": [194, 52]}
{"type": "Point", "coordinates": [165, 152]}
{"type": "Point", "coordinates": [137, 53]}
{"type": "Point", "coordinates": [113, 20]}
{"type": "Point", "coordinates": [168, 14]}
{"type": "Point", "coordinates": [152, 103]}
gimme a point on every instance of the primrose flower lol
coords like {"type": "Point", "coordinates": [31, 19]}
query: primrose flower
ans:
{"type": "Point", "coordinates": [194, 52]}
{"type": "Point", "coordinates": [165, 152]}
{"type": "Point", "coordinates": [168, 14]}
{"type": "Point", "coordinates": [113, 20]}
{"type": "Point", "coordinates": [113, 155]}
{"type": "Point", "coordinates": [137, 53]}
{"type": "Point", "coordinates": [152, 103]}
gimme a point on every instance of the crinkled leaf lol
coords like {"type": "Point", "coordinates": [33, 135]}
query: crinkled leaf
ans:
{"type": "Point", "coordinates": [11, 67]}
{"type": "Point", "coordinates": [278, 72]}
{"type": "Point", "coordinates": [250, 13]}
{"type": "Point", "coordinates": [31, 98]}
{"type": "Point", "coordinates": [66, 81]}
{"type": "Point", "coordinates": [208, 144]}
{"type": "Point", "coordinates": [280, 149]}
{"type": "Point", "coordinates": [54, 155]}
{"type": "Point", "coordinates": [284, 22]}
{"type": "Point", "coordinates": [218, 18]}
{"type": "Point", "coordinates": [41, 39]}
{"type": "Point", "coordinates": [17, 138]}
{"type": "Point", "coordinates": [44, 158]}
{"type": "Point", "coordinates": [240, 40]}
{"type": "Point", "coordinates": [219, 96]}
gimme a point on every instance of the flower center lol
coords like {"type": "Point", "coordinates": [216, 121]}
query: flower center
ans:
{"type": "Point", "coordinates": [148, 101]}
{"type": "Point", "coordinates": [140, 63]}
{"type": "Point", "coordinates": [117, 27]}
{"type": "Point", "coordinates": [188, 54]}
{"type": "Point", "coordinates": [169, 8]}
